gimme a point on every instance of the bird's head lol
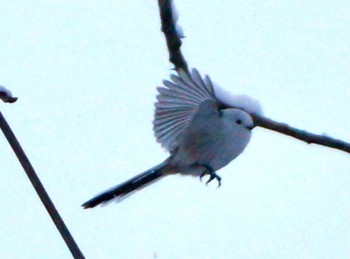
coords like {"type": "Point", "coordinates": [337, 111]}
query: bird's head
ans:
{"type": "Point", "coordinates": [240, 118]}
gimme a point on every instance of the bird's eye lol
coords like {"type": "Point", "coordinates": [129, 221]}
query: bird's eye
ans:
{"type": "Point", "coordinates": [239, 121]}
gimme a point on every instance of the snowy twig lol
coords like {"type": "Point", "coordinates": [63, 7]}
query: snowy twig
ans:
{"type": "Point", "coordinates": [166, 9]}
{"type": "Point", "coordinates": [173, 37]}
{"type": "Point", "coordinates": [39, 188]}
{"type": "Point", "coordinates": [6, 95]}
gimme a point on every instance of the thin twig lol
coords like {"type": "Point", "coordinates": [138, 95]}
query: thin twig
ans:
{"type": "Point", "coordinates": [174, 44]}
{"type": "Point", "coordinates": [6, 95]}
{"type": "Point", "coordinates": [173, 40]}
{"type": "Point", "coordinates": [302, 135]}
{"type": "Point", "coordinates": [39, 188]}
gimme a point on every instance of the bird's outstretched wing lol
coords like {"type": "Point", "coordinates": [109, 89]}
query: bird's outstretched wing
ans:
{"type": "Point", "coordinates": [177, 103]}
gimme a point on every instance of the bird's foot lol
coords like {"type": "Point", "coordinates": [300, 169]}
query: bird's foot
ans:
{"type": "Point", "coordinates": [209, 171]}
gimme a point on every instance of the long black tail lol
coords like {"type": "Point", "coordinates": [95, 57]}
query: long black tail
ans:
{"type": "Point", "coordinates": [133, 184]}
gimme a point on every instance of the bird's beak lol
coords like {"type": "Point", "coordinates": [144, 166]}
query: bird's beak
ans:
{"type": "Point", "coordinates": [250, 127]}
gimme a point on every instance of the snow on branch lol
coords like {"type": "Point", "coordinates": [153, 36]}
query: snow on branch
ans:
{"type": "Point", "coordinates": [173, 35]}
{"type": "Point", "coordinates": [6, 95]}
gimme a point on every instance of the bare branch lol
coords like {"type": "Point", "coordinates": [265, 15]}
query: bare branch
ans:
{"type": "Point", "coordinates": [39, 188]}
{"type": "Point", "coordinates": [174, 44]}
{"type": "Point", "coordinates": [302, 135]}
{"type": "Point", "coordinates": [173, 40]}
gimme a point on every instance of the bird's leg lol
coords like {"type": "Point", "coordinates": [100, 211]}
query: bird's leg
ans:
{"type": "Point", "coordinates": [209, 170]}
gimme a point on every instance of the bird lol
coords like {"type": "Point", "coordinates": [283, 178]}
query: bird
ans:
{"type": "Point", "coordinates": [198, 125]}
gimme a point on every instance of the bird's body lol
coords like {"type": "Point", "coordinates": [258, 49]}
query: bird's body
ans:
{"type": "Point", "coordinates": [206, 142]}
{"type": "Point", "coordinates": [202, 133]}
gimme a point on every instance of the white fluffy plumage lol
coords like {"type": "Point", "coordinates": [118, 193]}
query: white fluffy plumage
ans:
{"type": "Point", "coordinates": [243, 102]}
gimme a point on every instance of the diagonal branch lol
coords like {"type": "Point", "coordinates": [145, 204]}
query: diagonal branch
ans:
{"type": "Point", "coordinates": [174, 43]}
{"type": "Point", "coordinates": [39, 188]}
{"type": "Point", "coordinates": [6, 96]}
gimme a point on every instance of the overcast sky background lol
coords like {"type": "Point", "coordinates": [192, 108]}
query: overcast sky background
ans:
{"type": "Point", "coordinates": [86, 74]}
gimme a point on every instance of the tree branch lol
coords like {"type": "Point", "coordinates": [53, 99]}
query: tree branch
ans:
{"type": "Point", "coordinates": [34, 179]}
{"type": "Point", "coordinates": [302, 135]}
{"type": "Point", "coordinates": [174, 44]}
{"type": "Point", "coordinates": [6, 95]}
{"type": "Point", "coordinates": [172, 36]}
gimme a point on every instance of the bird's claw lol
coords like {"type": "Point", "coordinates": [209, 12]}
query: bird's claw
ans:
{"type": "Point", "coordinates": [213, 176]}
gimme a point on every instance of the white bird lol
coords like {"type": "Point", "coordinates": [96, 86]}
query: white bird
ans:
{"type": "Point", "coordinates": [202, 132]}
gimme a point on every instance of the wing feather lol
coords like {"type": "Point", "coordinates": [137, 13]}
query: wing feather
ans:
{"type": "Point", "coordinates": [169, 119]}
{"type": "Point", "coordinates": [172, 96]}
{"type": "Point", "coordinates": [179, 91]}
{"type": "Point", "coordinates": [177, 103]}
{"type": "Point", "coordinates": [193, 89]}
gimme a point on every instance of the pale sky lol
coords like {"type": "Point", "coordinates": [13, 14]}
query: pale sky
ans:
{"type": "Point", "coordinates": [86, 76]}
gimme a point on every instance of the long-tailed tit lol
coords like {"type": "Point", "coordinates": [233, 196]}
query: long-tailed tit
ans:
{"type": "Point", "coordinates": [202, 131]}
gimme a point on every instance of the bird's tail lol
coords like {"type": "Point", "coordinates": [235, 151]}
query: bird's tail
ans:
{"type": "Point", "coordinates": [129, 186]}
